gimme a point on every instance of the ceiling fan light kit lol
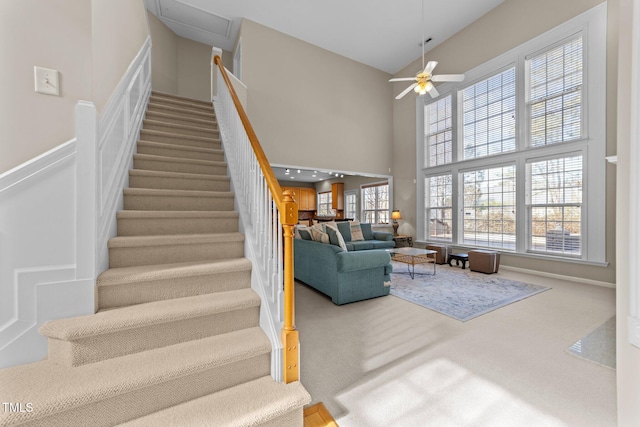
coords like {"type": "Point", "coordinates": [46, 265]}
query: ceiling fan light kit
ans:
{"type": "Point", "coordinates": [423, 81]}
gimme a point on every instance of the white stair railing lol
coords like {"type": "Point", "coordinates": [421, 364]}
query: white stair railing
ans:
{"type": "Point", "coordinates": [260, 201]}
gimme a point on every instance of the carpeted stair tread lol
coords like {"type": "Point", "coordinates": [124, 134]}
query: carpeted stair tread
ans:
{"type": "Point", "coordinates": [172, 118]}
{"type": "Point", "coordinates": [53, 388]}
{"type": "Point", "coordinates": [180, 112]}
{"type": "Point", "coordinates": [182, 104]}
{"type": "Point", "coordinates": [177, 239]}
{"type": "Point", "coordinates": [132, 214]}
{"type": "Point", "coordinates": [153, 313]}
{"type": "Point", "coordinates": [165, 95]}
{"type": "Point", "coordinates": [118, 287]}
{"type": "Point", "coordinates": [169, 159]}
{"type": "Point", "coordinates": [180, 175]}
{"type": "Point", "coordinates": [119, 276]}
{"type": "Point", "coordinates": [250, 404]}
{"type": "Point", "coordinates": [157, 192]}
{"type": "Point", "coordinates": [179, 128]}
{"type": "Point", "coordinates": [164, 145]}
{"type": "Point", "coordinates": [149, 133]}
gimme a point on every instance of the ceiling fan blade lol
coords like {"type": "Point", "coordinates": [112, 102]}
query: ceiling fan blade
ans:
{"type": "Point", "coordinates": [433, 92]}
{"type": "Point", "coordinates": [406, 91]}
{"type": "Point", "coordinates": [402, 79]}
{"type": "Point", "coordinates": [430, 66]}
{"type": "Point", "coordinates": [448, 78]}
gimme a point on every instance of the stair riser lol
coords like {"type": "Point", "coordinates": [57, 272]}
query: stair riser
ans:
{"type": "Point", "coordinates": [158, 290]}
{"type": "Point", "coordinates": [108, 346]}
{"type": "Point", "coordinates": [177, 203]}
{"type": "Point", "coordinates": [211, 142]}
{"type": "Point", "coordinates": [181, 103]}
{"type": "Point", "coordinates": [149, 255]}
{"type": "Point", "coordinates": [180, 153]}
{"type": "Point", "coordinates": [154, 165]}
{"type": "Point", "coordinates": [137, 181]}
{"type": "Point", "coordinates": [179, 112]}
{"type": "Point", "coordinates": [183, 120]}
{"type": "Point", "coordinates": [164, 226]}
{"type": "Point", "coordinates": [166, 127]}
{"type": "Point", "coordinates": [154, 397]}
{"type": "Point", "coordinates": [177, 98]}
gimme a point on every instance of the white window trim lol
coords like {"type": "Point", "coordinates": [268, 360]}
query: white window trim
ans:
{"type": "Point", "coordinates": [592, 24]}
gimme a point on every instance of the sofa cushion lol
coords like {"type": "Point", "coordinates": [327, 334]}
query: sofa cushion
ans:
{"type": "Point", "coordinates": [383, 244]}
{"type": "Point", "coordinates": [360, 245]}
{"type": "Point", "coordinates": [356, 231]}
{"type": "Point", "coordinates": [345, 230]}
{"type": "Point", "coordinates": [367, 233]}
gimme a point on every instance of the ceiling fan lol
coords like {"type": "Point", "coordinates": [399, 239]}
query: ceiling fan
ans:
{"type": "Point", "coordinates": [424, 79]}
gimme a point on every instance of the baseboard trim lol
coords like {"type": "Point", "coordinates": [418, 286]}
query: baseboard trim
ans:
{"type": "Point", "coordinates": [560, 277]}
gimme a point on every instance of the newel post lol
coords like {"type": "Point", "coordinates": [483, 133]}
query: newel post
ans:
{"type": "Point", "coordinates": [290, 343]}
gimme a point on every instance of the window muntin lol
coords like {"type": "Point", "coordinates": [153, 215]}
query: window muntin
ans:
{"type": "Point", "coordinates": [438, 134]}
{"type": "Point", "coordinates": [439, 207]}
{"type": "Point", "coordinates": [489, 115]}
{"type": "Point", "coordinates": [375, 203]}
{"type": "Point", "coordinates": [489, 206]}
{"type": "Point", "coordinates": [555, 94]}
{"type": "Point", "coordinates": [324, 204]}
{"type": "Point", "coordinates": [351, 205]}
{"type": "Point", "coordinates": [554, 202]}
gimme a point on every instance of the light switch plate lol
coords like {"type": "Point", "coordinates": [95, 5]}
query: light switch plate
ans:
{"type": "Point", "coordinates": [46, 81]}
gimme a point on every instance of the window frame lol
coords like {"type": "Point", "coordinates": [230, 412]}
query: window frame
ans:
{"type": "Point", "coordinates": [592, 25]}
{"type": "Point", "coordinates": [320, 203]}
{"type": "Point", "coordinates": [377, 209]}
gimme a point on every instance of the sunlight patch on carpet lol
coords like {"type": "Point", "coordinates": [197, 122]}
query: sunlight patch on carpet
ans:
{"type": "Point", "coordinates": [457, 293]}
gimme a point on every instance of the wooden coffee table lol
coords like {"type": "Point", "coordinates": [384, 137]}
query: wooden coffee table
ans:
{"type": "Point", "coordinates": [413, 256]}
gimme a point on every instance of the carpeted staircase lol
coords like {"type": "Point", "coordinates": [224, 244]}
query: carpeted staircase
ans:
{"type": "Point", "coordinates": [176, 340]}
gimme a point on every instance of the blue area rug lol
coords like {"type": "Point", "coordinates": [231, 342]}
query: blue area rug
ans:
{"type": "Point", "coordinates": [461, 294]}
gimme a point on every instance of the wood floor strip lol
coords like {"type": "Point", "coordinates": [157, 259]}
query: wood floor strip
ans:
{"type": "Point", "coordinates": [318, 416]}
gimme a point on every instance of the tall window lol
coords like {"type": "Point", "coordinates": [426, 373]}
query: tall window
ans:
{"type": "Point", "coordinates": [375, 203]}
{"type": "Point", "coordinates": [439, 202]}
{"type": "Point", "coordinates": [528, 137]}
{"type": "Point", "coordinates": [351, 204]}
{"type": "Point", "coordinates": [438, 132]}
{"type": "Point", "coordinates": [489, 115]}
{"type": "Point", "coordinates": [555, 94]}
{"type": "Point", "coordinates": [554, 201]}
{"type": "Point", "coordinates": [324, 204]}
{"type": "Point", "coordinates": [490, 207]}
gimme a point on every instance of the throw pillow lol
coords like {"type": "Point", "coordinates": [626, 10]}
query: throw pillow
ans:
{"type": "Point", "coordinates": [305, 234]}
{"type": "Point", "coordinates": [356, 231]}
{"type": "Point", "coordinates": [338, 236]}
{"type": "Point", "coordinates": [367, 233]}
{"type": "Point", "coordinates": [345, 230]}
{"type": "Point", "coordinates": [334, 238]}
{"type": "Point", "coordinates": [319, 236]}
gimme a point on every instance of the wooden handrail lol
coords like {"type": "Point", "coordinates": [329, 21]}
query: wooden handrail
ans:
{"type": "Point", "coordinates": [288, 209]}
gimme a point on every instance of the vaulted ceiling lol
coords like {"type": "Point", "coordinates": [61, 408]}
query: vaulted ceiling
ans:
{"type": "Point", "coordinates": [383, 34]}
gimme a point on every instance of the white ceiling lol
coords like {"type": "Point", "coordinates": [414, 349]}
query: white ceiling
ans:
{"type": "Point", "coordinates": [384, 34]}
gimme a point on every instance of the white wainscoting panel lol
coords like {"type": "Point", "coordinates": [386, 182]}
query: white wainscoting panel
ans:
{"type": "Point", "coordinates": [57, 213]}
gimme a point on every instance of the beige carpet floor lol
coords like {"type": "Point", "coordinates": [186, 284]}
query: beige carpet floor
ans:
{"type": "Point", "coordinates": [388, 362]}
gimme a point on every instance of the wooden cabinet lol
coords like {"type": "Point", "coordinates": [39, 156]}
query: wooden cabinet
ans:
{"type": "Point", "coordinates": [337, 196]}
{"type": "Point", "coordinates": [305, 197]}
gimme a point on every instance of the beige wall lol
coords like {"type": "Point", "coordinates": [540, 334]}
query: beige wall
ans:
{"type": "Point", "coordinates": [194, 69]}
{"type": "Point", "coordinates": [180, 66]}
{"type": "Point", "coordinates": [52, 34]}
{"type": "Point", "coordinates": [505, 27]}
{"type": "Point", "coordinates": [119, 28]}
{"type": "Point", "coordinates": [313, 108]}
{"type": "Point", "coordinates": [628, 356]}
{"type": "Point", "coordinates": [91, 44]}
{"type": "Point", "coordinates": [164, 56]}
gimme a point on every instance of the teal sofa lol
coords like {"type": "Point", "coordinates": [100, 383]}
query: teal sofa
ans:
{"type": "Point", "coordinates": [372, 239]}
{"type": "Point", "coordinates": [344, 276]}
